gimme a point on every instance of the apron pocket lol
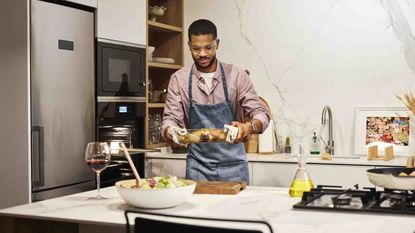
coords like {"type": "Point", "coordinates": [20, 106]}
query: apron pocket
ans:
{"type": "Point", "coordinates": [196, 171]}
{"type": "Point", "coordinates": [237, 171]}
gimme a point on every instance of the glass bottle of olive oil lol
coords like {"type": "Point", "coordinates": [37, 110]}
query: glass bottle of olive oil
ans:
{"type": "Point", "coordinates": [302, 181]}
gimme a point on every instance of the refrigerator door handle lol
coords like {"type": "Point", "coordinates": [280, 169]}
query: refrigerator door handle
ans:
{"type": "Point", "coordinates": [38, 158]}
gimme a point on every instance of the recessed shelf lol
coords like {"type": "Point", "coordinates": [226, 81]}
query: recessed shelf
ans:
{"type": "Point", "coordinates": [156, 105]}
{"type": "Point", "coordinates": [164, 65]}
{"type": "Point", "coordinates": [156, 26]}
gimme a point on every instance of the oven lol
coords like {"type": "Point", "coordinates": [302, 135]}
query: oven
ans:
{"type": "Point", "coordinates": [121, 69]}
{"type": "Point", "coordinates": [120, 120]}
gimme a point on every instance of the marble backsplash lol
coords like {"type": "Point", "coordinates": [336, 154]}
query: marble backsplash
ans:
{"type": "Point", "coordinates": [304, 55]}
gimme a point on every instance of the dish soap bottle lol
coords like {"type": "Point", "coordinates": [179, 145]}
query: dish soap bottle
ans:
{"type": "Point", "coordinates": [315, 145]}
{"type": "Point", "coordinates": [302, 182]}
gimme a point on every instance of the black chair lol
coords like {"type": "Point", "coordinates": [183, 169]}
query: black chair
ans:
{"type": "Point", "coordinates": [152, 225]}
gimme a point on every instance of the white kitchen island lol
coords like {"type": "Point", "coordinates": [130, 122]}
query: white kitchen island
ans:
{"type": "Point", "coordinates": [75, 213]}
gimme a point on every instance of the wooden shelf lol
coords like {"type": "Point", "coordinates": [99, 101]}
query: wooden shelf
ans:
{"type": "Point", "coordinates": [164, 65]}
{"type": "Point", "coordinates": [156, 105]}
{"type": "Point", "coordinates": [166, 35]}
{"type": "Point", "coordinates": [162, 27]}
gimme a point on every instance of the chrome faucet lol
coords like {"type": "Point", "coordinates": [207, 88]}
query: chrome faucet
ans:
{"type": "Point", "coordinates": [330, 143]}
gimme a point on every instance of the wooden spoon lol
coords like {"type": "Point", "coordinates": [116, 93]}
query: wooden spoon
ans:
{"type": "Point", "coordinates": [140, 150]}
{"type": "Point", "coordinates": [130, 161]}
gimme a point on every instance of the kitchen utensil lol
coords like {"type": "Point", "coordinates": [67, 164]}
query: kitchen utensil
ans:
{"type": "Point", "coordinates": [163, 96]}
{"type": "Point", "coordinates": [302, 181]}
{"type": "Point", "coordinates": [130, 161]}
{"type": "Point", "coordinates": [139, 150]}
{"type": "Point", "coordinates": [267, 140]}
{"type": "Point", "coordinates": [389, 178]}
{"type": "Point", "coordinates": [156, 11]}
{"type": "Point", "coordinates": [150, 51]}
{"type": "Point", "coordinates": [154, 123]}
{"type": "Point", "coordinates": [219, 187]}
{"type": "Point", "coordinates": [164, 60]}
{"type": "Point", "coordinates": [156, 96]}
{"type": "Point", "coordinates": [154, 198]}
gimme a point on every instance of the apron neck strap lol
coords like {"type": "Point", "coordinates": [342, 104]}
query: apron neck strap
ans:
{"type": "Point", "coordinates": [225, 87]}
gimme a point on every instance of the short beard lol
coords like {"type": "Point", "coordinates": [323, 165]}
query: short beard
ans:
{"type": "Point", "coordinates": [208, 66]}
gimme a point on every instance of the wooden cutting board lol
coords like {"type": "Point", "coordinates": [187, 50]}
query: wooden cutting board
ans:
{"type": "Point", "coordinates": [219, 187]}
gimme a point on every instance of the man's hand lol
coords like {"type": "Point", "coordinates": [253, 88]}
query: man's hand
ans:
{"type": "Point", "coordinates": [172, 134]}
{"type": "Point", "coordinates": [244, 131]}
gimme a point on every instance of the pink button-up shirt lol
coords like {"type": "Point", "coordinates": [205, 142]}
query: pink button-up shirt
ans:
{"type": "Point", "coordinates": [245, 101]}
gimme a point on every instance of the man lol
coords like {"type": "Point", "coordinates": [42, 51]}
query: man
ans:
{"type": "Point", "coordinates": [211, 94]}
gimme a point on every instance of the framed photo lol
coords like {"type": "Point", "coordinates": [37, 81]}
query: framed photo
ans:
{"type": "Point", "coordinates": [384, 126]}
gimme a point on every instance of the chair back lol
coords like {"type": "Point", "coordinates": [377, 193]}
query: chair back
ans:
{"type": "Point", "coordinates": [161, 223]}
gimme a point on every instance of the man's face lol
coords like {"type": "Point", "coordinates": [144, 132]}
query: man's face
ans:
{"type": "Point", "coordinates": [203, 49]}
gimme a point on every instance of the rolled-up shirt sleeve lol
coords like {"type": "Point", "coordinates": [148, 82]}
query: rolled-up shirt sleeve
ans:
{"type": "Point", "coordinates": [252, 106]}
{"type": "Point", "coordinates": [173, 114]}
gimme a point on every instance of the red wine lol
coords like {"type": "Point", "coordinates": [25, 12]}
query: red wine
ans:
{"type": "Point", "coordinates": [98, 163]}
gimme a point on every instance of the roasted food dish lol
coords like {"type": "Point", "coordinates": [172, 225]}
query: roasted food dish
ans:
{"type": "Point", "coordinates": [203, 135]}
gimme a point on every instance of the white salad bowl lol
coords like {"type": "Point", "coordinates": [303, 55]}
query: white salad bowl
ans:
{"type": "Point", "coordinates": [154, 198]}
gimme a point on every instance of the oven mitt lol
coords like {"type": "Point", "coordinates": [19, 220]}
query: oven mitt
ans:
{"type": "Point", "coordinates": [231, 133]}
{"type": "Point", "coordinates": [175, 132]}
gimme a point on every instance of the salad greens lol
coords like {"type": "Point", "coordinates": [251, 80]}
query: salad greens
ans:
{"type": "Point", "coordinates": [161, 182]}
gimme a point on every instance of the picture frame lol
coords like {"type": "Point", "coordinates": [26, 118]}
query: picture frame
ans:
{"type": "Point", "coordinates": [384, 126]}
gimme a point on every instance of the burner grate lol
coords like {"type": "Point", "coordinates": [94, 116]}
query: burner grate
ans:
{"type": "Point", "coordinates": [327, 197]}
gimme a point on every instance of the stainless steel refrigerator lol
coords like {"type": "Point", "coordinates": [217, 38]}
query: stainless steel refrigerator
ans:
{"type": "Point", "coordinates": [62, 99]}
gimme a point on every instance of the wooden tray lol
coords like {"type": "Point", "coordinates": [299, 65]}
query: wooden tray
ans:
{"type": "Point", "coordinates": [219, 187]}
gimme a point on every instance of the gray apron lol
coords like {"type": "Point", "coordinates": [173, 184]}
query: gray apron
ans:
{"type": "Point", "coordinates": [214, 161]}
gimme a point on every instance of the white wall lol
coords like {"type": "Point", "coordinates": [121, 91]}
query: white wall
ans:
{"type": "Point", "coordinates": [306, 54]}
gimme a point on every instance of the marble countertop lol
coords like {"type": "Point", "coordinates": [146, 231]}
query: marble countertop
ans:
{"type": "Point", "coordinates": [290, 158]}
{"type": "Point", "coordinates": [255, 203]}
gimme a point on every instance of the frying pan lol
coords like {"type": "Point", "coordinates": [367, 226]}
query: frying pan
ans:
{"type": "Point", "coordinates": [389, 178]}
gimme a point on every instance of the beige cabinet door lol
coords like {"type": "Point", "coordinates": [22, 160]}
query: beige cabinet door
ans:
{"type": "Point", "coordinates": [123, 21]}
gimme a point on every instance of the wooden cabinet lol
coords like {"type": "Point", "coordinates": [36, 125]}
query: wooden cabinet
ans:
{"type": "Point", "coordinates": [273, 174]}
{"type": "Point", "coordinates": [122, 20]}
{"type": "Point", "coordinates": [165, 34]}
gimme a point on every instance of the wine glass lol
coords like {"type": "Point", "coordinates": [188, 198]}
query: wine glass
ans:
{"type": "Point", "coordinates": [98, 157]}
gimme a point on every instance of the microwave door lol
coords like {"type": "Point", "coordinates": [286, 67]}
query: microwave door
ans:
{"type": "Point", "coordinates": [121, 71]}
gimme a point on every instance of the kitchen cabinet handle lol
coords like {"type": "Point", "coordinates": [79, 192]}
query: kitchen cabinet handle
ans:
{"type": "Point", "coordinates": [38, 158]}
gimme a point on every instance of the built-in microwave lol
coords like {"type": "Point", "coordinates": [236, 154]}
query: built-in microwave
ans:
{"type": "Point", "coordinates": [121, 69]}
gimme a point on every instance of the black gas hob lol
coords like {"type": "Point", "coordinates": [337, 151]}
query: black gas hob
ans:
{"type": "Point", "coordinates": [336, 198]}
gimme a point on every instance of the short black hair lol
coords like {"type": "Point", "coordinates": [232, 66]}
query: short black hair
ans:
{"type": "Point", "coordinates": [202, 27]}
